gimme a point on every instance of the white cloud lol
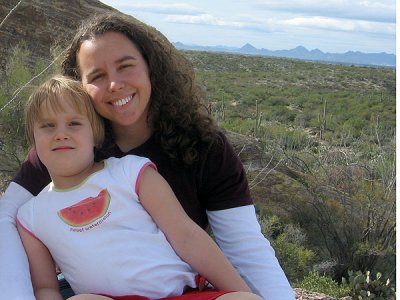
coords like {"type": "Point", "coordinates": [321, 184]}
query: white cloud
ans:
{"type": "Point", "coordinates": [379, 11]}
{"type": "Point", "coordinates": [159, 8]}
{"type": "Point", "coordinates": [204, 19]}
{"type": "Point", "coordinates": [341, 25]}
{"type": "Point", "coordinates": [271, 24]}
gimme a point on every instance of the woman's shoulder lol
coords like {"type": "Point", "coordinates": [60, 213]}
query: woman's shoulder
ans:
{"type": "Point", "coordinates": [219, 156]}
{"type": "Point", "coordinates": [219, 145]}
{"type": "Point", "coordinates": [222, 178]}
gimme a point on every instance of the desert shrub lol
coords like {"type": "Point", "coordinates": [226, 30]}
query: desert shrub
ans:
{"type": "Point", "coordinates": [21, 74]}
{"type": "Point", "coordinates": [285, 138]}
{"type": "Point", "coordinates": [12, 97]}
{"type": "Point", "coordinates": [315, 282]}
{"type": "Point", "coordinates": [295, 259]}
{"type": "Point", "coordinates": [288, 241]}
{"type": "Point", "coordinates": [302, 120]}
{"type": "Point", "coordinates": [349, 215]}
{"type": "Point", "coordinates": [243, 126]}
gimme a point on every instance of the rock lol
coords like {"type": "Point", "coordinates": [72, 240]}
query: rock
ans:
{"type": "Point", "coordinates": [41, 24]}
{"type": "Point", "coordinates": [302, 294]}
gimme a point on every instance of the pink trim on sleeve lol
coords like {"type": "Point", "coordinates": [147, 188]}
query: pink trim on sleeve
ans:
{"type": "Point", "coordinates": [26, 229]}
{"type": "Point", "coordinates": [148, 164]}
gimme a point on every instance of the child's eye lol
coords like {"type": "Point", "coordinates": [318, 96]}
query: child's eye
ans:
{"type": "Point", "coordinates": [47, 125]}
{"type": "Point", "coordinates": [75, 123]}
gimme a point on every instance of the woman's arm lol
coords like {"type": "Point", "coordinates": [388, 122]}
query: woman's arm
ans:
{"type": "Point", "coordinates": [238, 233]}
{"type": "Point", "coordinates": [15, 281]}
{"type": "Point", "coordinates": [189, 241]}
{"type": "Point", "coordinates": [42, 267]}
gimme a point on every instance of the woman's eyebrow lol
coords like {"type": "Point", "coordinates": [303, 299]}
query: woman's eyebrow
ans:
{"type": "Point", "coordinates": [124, 58]}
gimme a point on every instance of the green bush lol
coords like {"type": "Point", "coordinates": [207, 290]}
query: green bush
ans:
{"type": "Point", "coordinates": [286, 138]}
{"type": "Point", "coordinates": [288, 240]}
{"type": "Point", "coordinates": [242, 126]}
{"type": "Point", "coordinates": [294, 258]}
{"type": "Point", "coordinates": [315, 282]}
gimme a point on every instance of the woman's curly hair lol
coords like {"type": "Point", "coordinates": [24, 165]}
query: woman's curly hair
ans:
{"type": "Point", "coordinates": [176, 113]}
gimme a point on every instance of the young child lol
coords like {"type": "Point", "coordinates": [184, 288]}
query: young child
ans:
{"type": "Point", "coordinates": [109, 226]}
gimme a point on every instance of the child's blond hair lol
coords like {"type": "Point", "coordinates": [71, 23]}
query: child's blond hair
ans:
{"type": "Point", "coordinates": [53, 93]}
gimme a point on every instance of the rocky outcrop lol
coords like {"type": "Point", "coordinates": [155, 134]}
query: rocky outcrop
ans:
{"type": "Point", "coordinates": [41, 24]}
{"type": "Point", "coordinates": [302, 294]}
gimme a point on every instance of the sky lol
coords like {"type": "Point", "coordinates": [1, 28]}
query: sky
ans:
{"type": "Point", "coordinates": [334, 26]}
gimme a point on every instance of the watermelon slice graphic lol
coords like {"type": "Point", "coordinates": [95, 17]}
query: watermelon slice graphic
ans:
{"type": "Point", "coordinates": [87, 210]}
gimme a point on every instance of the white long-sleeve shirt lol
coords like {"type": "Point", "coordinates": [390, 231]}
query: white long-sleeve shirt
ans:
{"type": "Point", "coordinates": [15, 279]}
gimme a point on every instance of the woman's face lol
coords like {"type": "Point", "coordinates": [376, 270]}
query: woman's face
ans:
{"type": "Point", "coordinates": [117, 78]}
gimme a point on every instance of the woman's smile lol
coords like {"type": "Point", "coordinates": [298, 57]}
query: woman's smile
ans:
{"type": "Point", "coordinates": [123, 101]}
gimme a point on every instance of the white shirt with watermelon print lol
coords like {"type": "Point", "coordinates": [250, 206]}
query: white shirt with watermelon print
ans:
{"type": "Point", "coordinates": [102, 238]}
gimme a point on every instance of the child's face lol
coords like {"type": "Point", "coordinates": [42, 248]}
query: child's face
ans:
{"type": "Point", "coordinates": [64, 143]}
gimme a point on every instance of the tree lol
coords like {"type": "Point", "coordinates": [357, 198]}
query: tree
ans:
{"type": "Point", "coordinates": [349, 213]}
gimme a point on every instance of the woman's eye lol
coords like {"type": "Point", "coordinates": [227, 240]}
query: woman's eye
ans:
{"type": "Point", "coordinates": [96, 78]}
{"type": "Point", "coordinates": [126, 66]}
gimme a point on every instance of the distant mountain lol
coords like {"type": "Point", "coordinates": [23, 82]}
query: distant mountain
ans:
{"type": "Point", "coordinates": [350, 57]}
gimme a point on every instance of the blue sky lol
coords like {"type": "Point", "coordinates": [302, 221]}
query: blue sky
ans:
{"type": "Point", "coordinates": [329, 25]}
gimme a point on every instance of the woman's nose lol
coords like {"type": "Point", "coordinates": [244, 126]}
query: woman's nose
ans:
{"type": "Point", "coordinates": [115, 84]}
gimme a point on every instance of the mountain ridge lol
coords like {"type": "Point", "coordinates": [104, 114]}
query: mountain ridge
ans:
{"type": "Point", "coordinates": [381, 59]}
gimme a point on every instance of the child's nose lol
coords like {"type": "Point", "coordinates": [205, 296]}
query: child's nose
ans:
{"type": "Point", "coordinates": [61, 134]}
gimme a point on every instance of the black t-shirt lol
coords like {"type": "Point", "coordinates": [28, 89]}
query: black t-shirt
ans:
{"type": "Point", "coordinates": [216, 181]}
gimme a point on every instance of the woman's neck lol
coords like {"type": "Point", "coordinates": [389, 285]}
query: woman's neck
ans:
{"type": "Point", "coordinates": [130, 137]}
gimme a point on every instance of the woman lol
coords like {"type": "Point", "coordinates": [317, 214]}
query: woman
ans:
{"type": "Point", "coordinates": [144, 88]}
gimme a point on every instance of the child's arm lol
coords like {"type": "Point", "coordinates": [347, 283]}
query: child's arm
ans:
{"type": "Point", "coordinates": [189, 241]}
{"type": "Point", "coordinates": [42, 267]}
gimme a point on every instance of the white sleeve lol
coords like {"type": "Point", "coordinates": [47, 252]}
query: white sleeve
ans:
{"type": "Point", "coordinates": [15, 280]}
{"type": "Point", "coordinates": [238, 234]}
